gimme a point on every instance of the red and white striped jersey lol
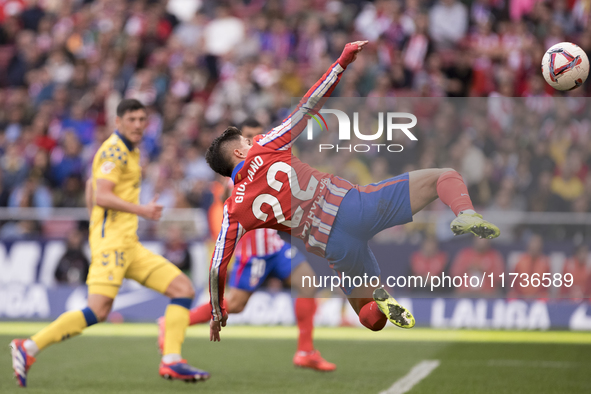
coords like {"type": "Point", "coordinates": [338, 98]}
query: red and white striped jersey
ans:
{"type": "Point", "coordinates": [273, 189]}
{"type": "Point", "coordinates": [259, 243]}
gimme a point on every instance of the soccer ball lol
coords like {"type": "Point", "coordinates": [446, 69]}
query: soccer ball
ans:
{"type": "Point", "coordinates": [565, 66]}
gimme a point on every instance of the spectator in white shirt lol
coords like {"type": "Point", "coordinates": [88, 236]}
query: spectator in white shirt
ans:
{"type": "Point", "coordinates": [448, 22]}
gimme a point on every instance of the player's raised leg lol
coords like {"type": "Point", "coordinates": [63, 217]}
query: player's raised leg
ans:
{"type": "Point", "coordinates": [305, 309]}
{"type": "Point", "coordinates": [424, 187]}
{"type": "Point", "coordinates": [364, 212]}
{"type": "Point", "coordinates": [68, 325]}
{"type": "Point", "coordinates": [448, 185]}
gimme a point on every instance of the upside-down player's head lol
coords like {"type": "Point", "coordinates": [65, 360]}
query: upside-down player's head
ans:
{"type": "Point", "coordinates": [131, 120]}
{"type": "Point", "coordinates": [227, 150]}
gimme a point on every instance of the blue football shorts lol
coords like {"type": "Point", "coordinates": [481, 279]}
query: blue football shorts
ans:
{"type": "Point", "coordinates": [364, 212]}
{"type": "Point", "coordinates": [249, 274]}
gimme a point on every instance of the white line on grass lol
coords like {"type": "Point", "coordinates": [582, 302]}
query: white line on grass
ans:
{"type": "Point", "coordinates": [414, 376]}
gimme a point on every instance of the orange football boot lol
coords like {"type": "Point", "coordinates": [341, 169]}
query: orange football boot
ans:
{"type": "Point", "coordinates": [312, 360]}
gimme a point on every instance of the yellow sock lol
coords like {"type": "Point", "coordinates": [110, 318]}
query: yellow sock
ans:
{"type": "Point", "coordinates": [69, 324]}
{"type": "Point", "coordinates": [176, 320]}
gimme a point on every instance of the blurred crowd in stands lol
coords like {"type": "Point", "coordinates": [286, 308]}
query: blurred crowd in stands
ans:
{"type": "Point", "coordinates": [200, 66]}
{"type": "Point", "coordinates": [520, 278]}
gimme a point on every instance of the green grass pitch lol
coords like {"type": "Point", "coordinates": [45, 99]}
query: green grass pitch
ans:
{"type": "Point", "coordinates": [123, 359]}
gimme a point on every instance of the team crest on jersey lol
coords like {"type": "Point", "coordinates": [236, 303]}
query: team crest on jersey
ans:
{"type": "Point", "coordinates": [107, 167]}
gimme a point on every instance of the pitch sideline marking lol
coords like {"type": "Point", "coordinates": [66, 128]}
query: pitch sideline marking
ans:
{"type": "Point", "coordinates": [414, 376]}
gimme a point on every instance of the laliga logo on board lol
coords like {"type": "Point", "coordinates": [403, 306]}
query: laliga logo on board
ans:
{"type": "Point", "coordinates": [345, 130]}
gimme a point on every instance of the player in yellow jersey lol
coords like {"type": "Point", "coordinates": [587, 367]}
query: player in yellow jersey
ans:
{"type": "Point", "coordinates": [113, 200]}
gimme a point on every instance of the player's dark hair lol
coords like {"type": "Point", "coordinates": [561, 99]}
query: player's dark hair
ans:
{"type": "Point", "coordinates": [218, 156]}
{"type": "Point", "coordinates": [251, 122]}
{"type": "Point", "coordinates": [129, 105]}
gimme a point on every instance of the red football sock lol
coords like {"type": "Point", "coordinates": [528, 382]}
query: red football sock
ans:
{"type": "Point", "coordinates": [372, 317]}
{"type": "Point", "coordinates": [201, 313]}
{"type": "Point", "coordinates": [453, 192]}
{"type": "Point", "coordinates": [305, 309]}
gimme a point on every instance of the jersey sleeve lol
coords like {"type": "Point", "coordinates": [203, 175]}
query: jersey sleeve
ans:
{"type": "Point", "coordinates": [283, 136]}
{"type": "Point", "coordinates": [226, 242]}
{"type": "Point", "coordinates": [110, 164]}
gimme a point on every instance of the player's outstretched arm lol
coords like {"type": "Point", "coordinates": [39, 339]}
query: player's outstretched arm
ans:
{"type": "Point", "coordinates": [282, 136]}
{"type": "Point", "coordinates": [106, 198]}
{"type": "Point", "coordinates": [226, 242]}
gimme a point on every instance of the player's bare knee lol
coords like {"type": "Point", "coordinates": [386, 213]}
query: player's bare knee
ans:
{"type": "Point", "coordinates": [306, 292]}
{"type": "Point", "coordinates": [235, 306]}
{"type": "Point", "coordinates": [180, 287]}
{"type": "Point", "coordinates": [297, 282]}
{"type": "Point", "coordinates": [437, 174]}
{"type": "Point", "coordinates": [425, 181]}
{"type": "Point", "coordinates": [187, 290]}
